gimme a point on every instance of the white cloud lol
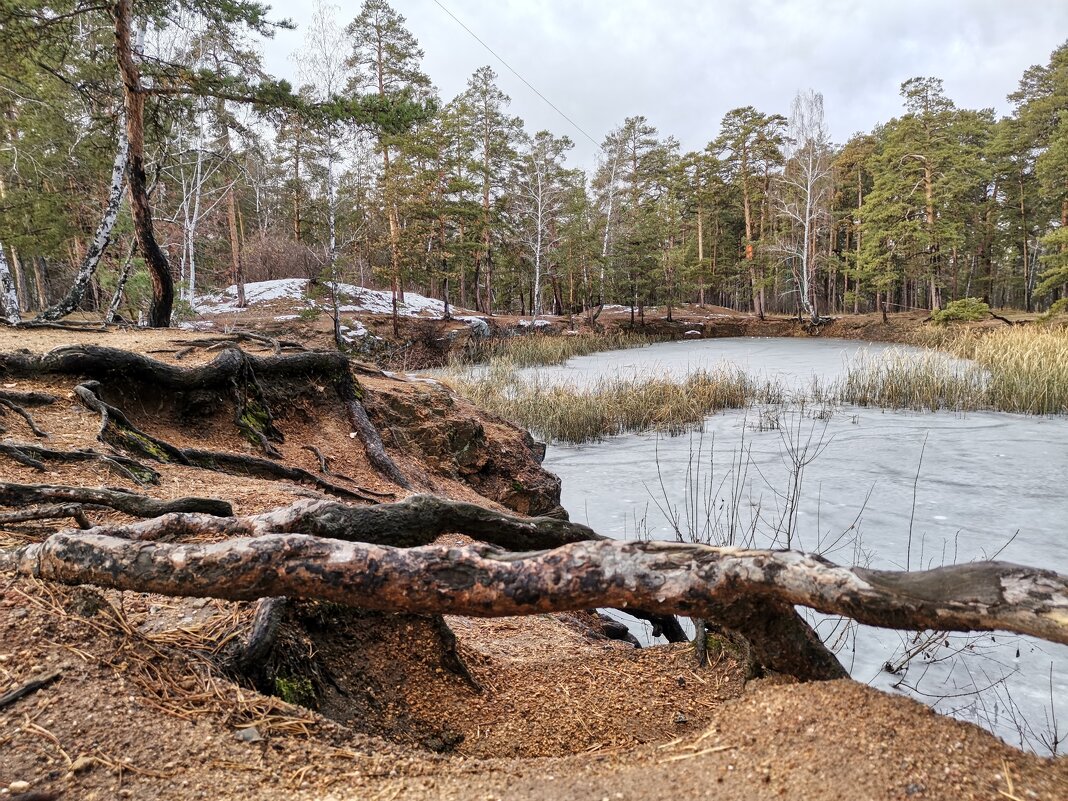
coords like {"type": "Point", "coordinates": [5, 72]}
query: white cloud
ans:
{"type": "Point", "coordinates": [684, 63]}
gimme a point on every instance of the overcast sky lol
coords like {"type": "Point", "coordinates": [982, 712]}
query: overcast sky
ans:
{"type": "Point", "coordinates": [683, 63]}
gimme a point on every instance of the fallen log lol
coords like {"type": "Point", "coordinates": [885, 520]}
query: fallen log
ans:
{"type": "Point", "coordinates": [483, 581]}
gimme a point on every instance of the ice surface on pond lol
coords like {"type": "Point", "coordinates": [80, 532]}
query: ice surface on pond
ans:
{"type": "Point", "coordinates": [988, 484]}
{"type": "Point", "coordinates": [793, 362]}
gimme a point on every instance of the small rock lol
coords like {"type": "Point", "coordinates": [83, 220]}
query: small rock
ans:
{"type": "Point", "coordinates": [249, 735]}
{"type": "Point", "coordinates": [82, 764]}
{"type": "Point", "coordinates": [18, 614]}
{"type": "Point", "coordinates": [18, 786]}
{"type": "Point", "coordinates": [680, 718]}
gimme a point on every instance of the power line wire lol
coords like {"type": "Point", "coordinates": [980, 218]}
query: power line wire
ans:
{"type": "Point", "coordinates": [552, 105]}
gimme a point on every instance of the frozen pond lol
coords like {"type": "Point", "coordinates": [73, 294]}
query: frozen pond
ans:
{"type": "Point", "coordinates": [882, 488]}
{"type": "Point", "coordinates": [793, 362]}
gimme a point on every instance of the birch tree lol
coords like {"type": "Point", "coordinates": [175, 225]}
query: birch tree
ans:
{"type": "Point", "coordinates": [102, 236]}
{"type": "Point", "coordinates": [540, 191]}
{"type": "Point", "coordinates": [804, 195]}
{"type": "Point", "coordinates": [323, 67]}
{"type": "Point", "coordinates": [9, 299]}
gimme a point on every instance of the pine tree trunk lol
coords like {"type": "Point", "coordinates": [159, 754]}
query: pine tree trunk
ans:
{"type": "Point", "coordinates": [159, 313]}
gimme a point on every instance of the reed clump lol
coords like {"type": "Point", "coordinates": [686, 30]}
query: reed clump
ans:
{"type": "Point", "coordinates": [565, 413]}
{"type": "Point", "coordinates": [536, 350]}
{"type": "Point", "coordinates": [1014, 369]}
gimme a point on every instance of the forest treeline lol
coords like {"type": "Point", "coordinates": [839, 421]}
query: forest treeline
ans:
{"type": "Point", "coordinates": [142, 142]}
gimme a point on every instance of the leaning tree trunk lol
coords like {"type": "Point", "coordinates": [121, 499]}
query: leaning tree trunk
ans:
{"type": "Point", "coordinates": [159, 313]}
{"type": "Point", "coordinates": [9, 299]}
{"type": "Point", "coordinates": [102, 237]}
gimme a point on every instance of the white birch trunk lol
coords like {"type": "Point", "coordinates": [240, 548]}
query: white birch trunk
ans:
{"type": "Point", "coordinates": [9, 299]}
{"type": "Point", "coordinates": [102, 237]}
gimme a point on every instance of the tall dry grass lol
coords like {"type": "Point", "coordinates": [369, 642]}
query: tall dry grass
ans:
{"type": "Point", "coordinates": [606, 407]}
{"type": "Point", "coordinates": [1017, 369]}
{"type": "Point", "coordinates": [536, 350]}
{"type": "Point", "coordinates": [1013, 369]}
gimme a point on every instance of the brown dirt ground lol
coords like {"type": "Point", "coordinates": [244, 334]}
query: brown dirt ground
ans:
{"type": "Point", "coordinates": [140, 711]}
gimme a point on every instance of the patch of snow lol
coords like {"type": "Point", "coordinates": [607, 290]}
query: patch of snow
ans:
{"type": "Point", "coordinates": [351, 299]}
{"type": "Point", "coordinates": [535, 323]}
{"type": "Point", "coordinates": [478, 325]}
{"type": "Point", "coordinates": [692, 333]}
{"type": "Point", "coordinates": [377, 301]}
{"type": "Point", "coordinates": [281, 318]}
{"type": "Point", "coordinates": [350, 333]}
{"type": "Point", "coordinates": [225, 302]}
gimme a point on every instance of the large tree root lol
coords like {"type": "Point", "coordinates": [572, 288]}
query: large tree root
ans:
{"type": "Point", "coordinates": [28, 398]}
{"type": "Point", "coordinates": [233, 372]}
{"type": "Point", "coordinates": [126, 502]}
{"type": "Point", "coordinates": [35, 456]}
{"type": "Point", "coordinates": [482, 581]}
{"type": "Point", "coordinates": [117, 430]}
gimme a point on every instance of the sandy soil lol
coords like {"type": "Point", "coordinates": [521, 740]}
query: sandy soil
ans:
{"type": "Point", "coordinates": [140, 708]}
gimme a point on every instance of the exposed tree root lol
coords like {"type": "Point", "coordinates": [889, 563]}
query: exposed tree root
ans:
{"type": "Point", "coordinates": [415, 521]}
{"type": "Point", "coordinates": [232, 368]}
{"type": "Point", "coordinates": [28, 398]}
{"type": "Point", "coordinates": [275, 345]}
{"type": "Point", "coordinates": [672, 578]}
{"type": "Point", "coordinates": [35, 456]}
{"type": "Point", "coordinates": [30, 687]}
{"type": "Point", "coordinates": [130, 503]}
{"type": "Point", "coordinates": [257, 645]}
{"type": "Point", "coordinates": [117, 430]}
{"type": "Point", "coordinates": [236, 464]}
{"type": "Point", "coordinates": [323, 468]}
{"type": "Point", "coordinates": [6, 403]}
{"type": "Point", "coordinates": [48, 512]}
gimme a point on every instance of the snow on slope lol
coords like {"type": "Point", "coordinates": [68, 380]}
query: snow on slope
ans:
{"type": "Point", "coordinates": [352, 299]}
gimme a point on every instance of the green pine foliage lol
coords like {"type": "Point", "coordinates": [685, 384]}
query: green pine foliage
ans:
{"type": "Point", "coordinates": [380, 181]}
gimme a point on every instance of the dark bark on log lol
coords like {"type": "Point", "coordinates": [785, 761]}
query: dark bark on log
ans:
{"type": "Point", "coordinates": [48, 512]}
{"type": "Point", "coordinates": [126, 502]}
{"type": "Point", "coordinates": [482, 581]}
{"type": "Point", "coordinates": [127, 468]}
{"type": "Point", "coordinates": [415, 521]}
